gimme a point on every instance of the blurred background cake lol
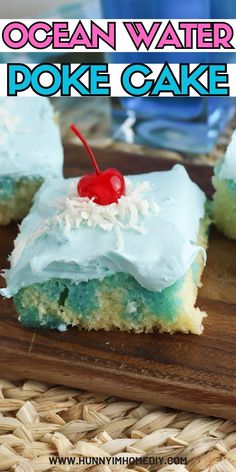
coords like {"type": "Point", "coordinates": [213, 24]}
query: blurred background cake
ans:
{"type": "Point", "coordinates": [224, 180]}
{"type": "Point", "coordinates": [30, 152]}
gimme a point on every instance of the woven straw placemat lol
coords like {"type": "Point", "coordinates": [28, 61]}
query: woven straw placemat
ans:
{"type": "Point", "coordinates": [38, 422]}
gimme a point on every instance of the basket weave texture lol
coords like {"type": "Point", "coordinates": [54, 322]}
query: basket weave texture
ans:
{"type": "Point", "coordinates": [38, 421]}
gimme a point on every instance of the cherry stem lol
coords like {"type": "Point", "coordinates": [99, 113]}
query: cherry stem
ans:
{"type": "Point", "coordinates": [87, 147]}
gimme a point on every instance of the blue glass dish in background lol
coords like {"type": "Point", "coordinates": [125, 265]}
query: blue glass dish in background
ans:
{"type": "Point", "coordinates": [190, 125]}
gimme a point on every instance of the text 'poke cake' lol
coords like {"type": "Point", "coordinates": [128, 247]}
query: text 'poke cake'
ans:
{"type": "Point", "coordinates": [224, 181]}
{"type": "Point", "coordinates": [133, 262]}
{"type": "Point", "coordinates": [30, 151]}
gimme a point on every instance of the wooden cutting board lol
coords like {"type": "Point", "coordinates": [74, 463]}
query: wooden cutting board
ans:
{"type": "Point", "coordinates": [196, 373]}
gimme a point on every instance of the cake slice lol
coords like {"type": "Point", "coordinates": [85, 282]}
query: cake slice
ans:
{"type": "Point", "coordinates": [132, 265]}
{"type": "Point", "coordinates": [30, 151]}
{"type": "Point", "coordinates": [224, 202]}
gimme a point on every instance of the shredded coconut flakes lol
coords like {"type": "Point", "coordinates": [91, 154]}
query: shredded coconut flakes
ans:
{"type": "Point", "coordinates": [124, 215]}
{"type": "Point", "coordinates": [74, 211]}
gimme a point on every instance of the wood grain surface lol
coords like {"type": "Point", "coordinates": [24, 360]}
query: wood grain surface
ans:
{"type": "Point", "coordinates": [196, 373]}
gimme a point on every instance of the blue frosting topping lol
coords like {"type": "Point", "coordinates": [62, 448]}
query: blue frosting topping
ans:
{"type": "Point", "coordinates": [30, 143]}
{"type": "Point", "coordinates": [156, 259]}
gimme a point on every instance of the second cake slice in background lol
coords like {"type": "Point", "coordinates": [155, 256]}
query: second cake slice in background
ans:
{"type": "Point", "coordinates": [30, 152]}
{"type": "Point", "coordinates": [224, 202]}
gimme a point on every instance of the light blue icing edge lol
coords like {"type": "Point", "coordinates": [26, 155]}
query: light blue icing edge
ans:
{"type": "Point", "coordinates": [30, 145]}
{"type": "Point", "coordinates": [156, 259]}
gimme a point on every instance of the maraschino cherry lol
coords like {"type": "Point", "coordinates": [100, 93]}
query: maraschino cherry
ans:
{"type": "Point", "coordinates": [104, 187]}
